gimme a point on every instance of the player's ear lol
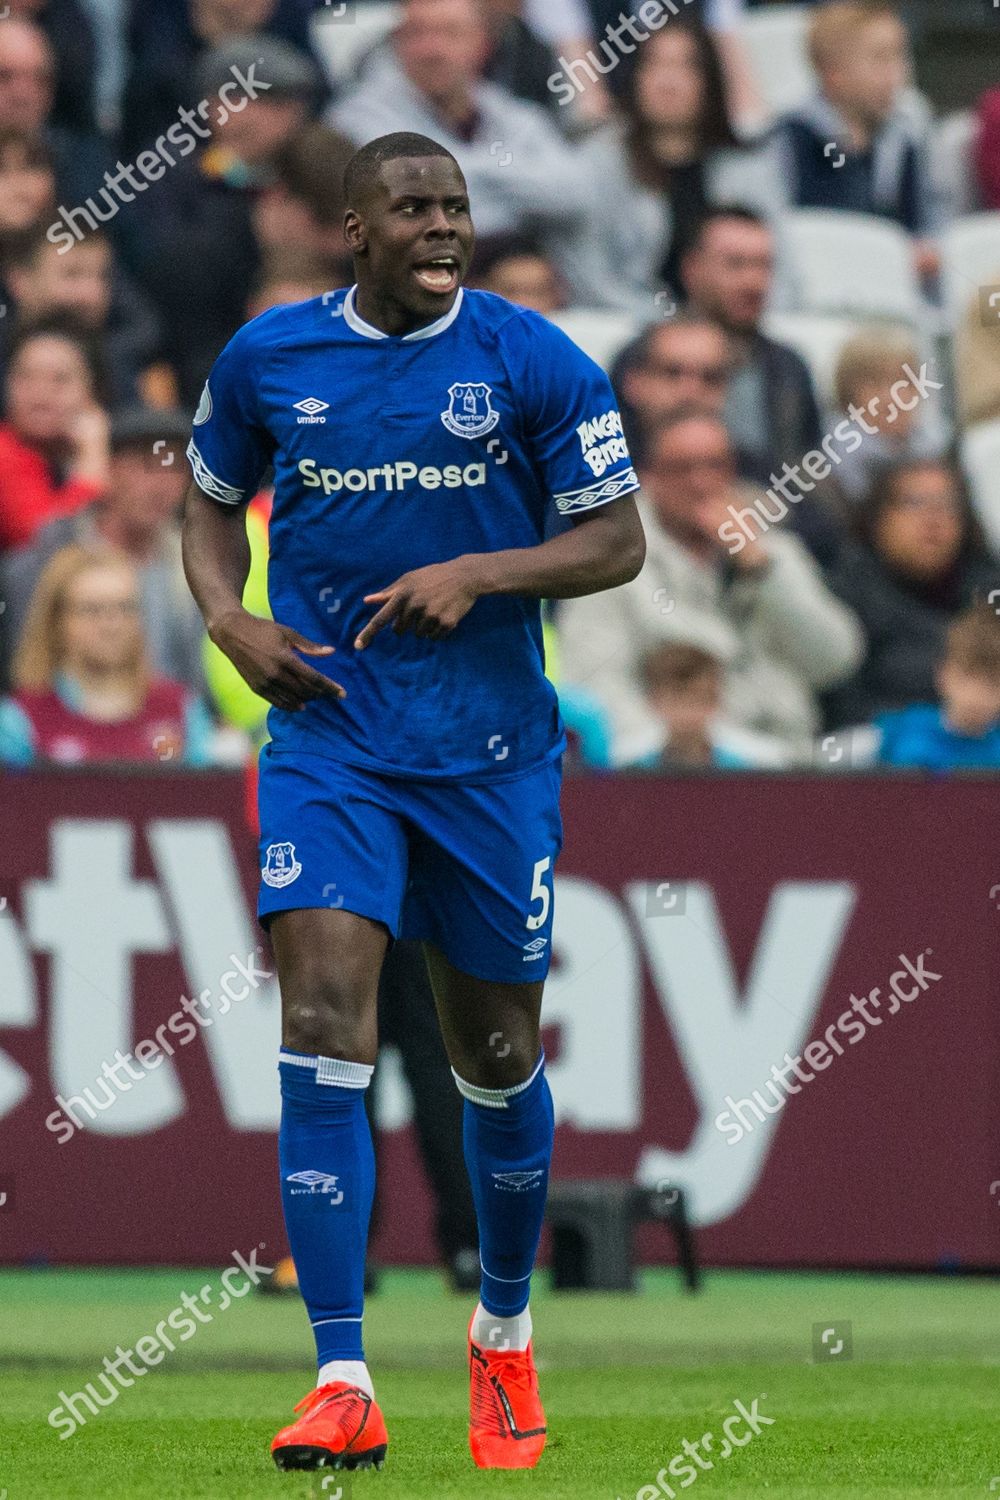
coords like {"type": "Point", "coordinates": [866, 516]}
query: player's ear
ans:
{"type": "Point", "coordinates": [354, 232]}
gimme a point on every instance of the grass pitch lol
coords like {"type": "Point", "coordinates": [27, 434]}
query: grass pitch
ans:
{"type": "Point", "coordinates": [625, 1381]}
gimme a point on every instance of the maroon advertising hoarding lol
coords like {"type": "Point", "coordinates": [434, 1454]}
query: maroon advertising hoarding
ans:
{"type": "Point", "coordinates": [779, 992]}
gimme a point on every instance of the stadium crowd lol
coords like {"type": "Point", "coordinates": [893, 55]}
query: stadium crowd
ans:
{"type": "Point", "coordinates": [798, 299]}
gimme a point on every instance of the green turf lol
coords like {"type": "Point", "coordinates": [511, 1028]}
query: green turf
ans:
{"type": "Point", "coordinates": [625, 1379]}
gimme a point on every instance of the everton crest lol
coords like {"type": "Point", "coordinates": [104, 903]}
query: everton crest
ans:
{"type": "Point", "coordinates": [280, 866]}
{"type": "Point", "coordinates": [471, 413]}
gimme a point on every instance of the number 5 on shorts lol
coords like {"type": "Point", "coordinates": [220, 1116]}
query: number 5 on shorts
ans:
{"type": "Point", "coordinates": [540, 892]}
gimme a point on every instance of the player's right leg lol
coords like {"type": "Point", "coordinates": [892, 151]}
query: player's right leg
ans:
{"type": "Point", "coordinates": [334, 866]}
{"type": "Point", "coordinates": [328, 965]}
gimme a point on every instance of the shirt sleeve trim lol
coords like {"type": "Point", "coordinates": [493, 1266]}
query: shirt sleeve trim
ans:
{"type": "Point", "coordinates": [215, 488]}
{"type": "Point", "coordinates": [600, 494]}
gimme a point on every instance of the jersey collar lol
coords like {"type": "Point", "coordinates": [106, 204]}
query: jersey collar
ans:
{"type": "Point", "coordinates": [358, 325]}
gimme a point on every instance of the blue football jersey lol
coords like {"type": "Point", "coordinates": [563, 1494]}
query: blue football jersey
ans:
{"type": "Point", "coordinates": [393, 453]}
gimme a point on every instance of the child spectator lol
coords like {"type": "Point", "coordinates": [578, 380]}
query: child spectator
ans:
{"type": "Point", "coordinates": [684, 685]}
{"type": "Point", "coordinates": [82, 688]}
{"type": "Point", "coordinates": [871, 377]}
{"type": "Point", "coordinates": [54, 435]}
{"type": "Point", "coordinates": [860, 52]}
{"type": "Point", "coordinates": [962, 731]}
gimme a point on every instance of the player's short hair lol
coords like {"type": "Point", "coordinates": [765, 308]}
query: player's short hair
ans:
{"type": "Point", "coordinates": [835, 27]}
{"type": "Point", "coordinates": [974, 642]}
{"type": "Point", "coordinates": [365, 165]}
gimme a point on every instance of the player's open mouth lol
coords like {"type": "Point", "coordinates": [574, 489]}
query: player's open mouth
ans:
{"type": "Point", "coordinates": [440, 275]}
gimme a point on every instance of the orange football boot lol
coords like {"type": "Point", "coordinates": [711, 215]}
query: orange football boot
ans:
{"type": "Point", "coordinates": [506, 1420]}
{"type": "Point", "coordinates": [341, 1427]}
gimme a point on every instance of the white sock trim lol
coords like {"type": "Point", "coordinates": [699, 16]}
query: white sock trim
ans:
{"type": "Point", "coordinates": [497, 1334]}
{"type": "Point", "coordinates": [495, 1098]}
{"type": "Point", "coordinates": [353, 1371]}
{"type": "Point", "coordinates": [349, 1075]}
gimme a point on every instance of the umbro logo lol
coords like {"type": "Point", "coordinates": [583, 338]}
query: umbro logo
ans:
{"type": "Point", "coordinates": [317, 1182]}
{"type": "Point", "coordinates": [312, 408]}
{"type": "Point", "coordinates": [535, 949]}
{"type": "Point", "coordinates": [518, 1182]}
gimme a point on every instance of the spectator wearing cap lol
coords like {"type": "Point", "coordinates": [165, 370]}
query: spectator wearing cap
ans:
{"type": "Point", "coordinates": [83, 691]}
{"type": "Point", "coordinates": [137, 516]}
{"type": "Point", "coordinates": [789, 636]}
{"type": "Point", "coordinates": [200, 253]}
{"type": "Point", "coordinates": [53, 437]}
{"type": "Point", "coordinates": [522, 175]}
{"type": "Point", "coordinates": [168, 40]}
{"type": "Point", "coordinates": [91, 288]}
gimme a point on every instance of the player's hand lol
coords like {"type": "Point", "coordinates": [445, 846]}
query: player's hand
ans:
{"type": "Point", "coordinates": [268, 657]}
{"type": "Point", "coordinates": [429, 601]}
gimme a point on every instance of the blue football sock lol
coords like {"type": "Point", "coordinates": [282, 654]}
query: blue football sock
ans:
{"type": "Point", "coordinates": [508, 1147]}
{"type": "Point", "coordinates": [327, 1185]}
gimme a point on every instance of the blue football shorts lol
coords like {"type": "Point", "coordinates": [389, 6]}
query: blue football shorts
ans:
{"type": "Point", "coordinates": [465, 866]}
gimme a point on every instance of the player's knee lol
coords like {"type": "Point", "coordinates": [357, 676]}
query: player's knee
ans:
{"type": "Point", "coordinates": [331, 1017]}
{"type": "Point", "coordinates": [505, 1066]}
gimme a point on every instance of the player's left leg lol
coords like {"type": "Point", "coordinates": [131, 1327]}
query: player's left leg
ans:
{"type": "Point", "coordinates": [491, 1032]}
{"type": "Point", "coordinates": [480, 898]}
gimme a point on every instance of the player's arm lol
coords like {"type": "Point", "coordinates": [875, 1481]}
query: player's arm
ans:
{"type": "Point", "coordinates": [605, 548]}
{"type": "Point", "coordinates": [264, 652]}
{"type": "Point", "coordinates": [229, 451]}
{"type": "Point", "coordinates": [574, 436]}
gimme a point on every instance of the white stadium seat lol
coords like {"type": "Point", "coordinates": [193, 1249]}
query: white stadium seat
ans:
{"type": "Point", "coordinates": [970, 255]}
{"type": "Point", "coordinates": [850, 265]}
{"type": "Point", "coordinates": [342, 39]}
{"type": "Point", "coordinates": [599, 332]}
{"type": "Point", "coordinates": [775, 40]}
{"type": "Point", "coordinates": [981, 461]}
{"type": "Point", "coordinates": [956, 191]}
{"type": "Point", "coordinates": [818, 340]}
